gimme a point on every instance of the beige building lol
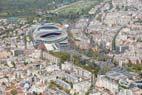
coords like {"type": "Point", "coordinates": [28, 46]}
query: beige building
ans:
{"type": "Point", "coordinates": [50, 57]}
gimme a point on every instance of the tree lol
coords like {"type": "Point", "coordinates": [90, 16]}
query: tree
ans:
{"type": "Point", "coordinates": [62, 55]}
{"type": "Point", "coordinates": [25, 41]}
{"type": "Point", "coordinates": [25, 63]}
{"type": "Point", "coordinates": [14, 92]}
{"type": "Point", "coordinates": [14, 64]}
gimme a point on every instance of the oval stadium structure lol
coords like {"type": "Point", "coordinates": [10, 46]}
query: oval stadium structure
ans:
{"type": "Point", "coordinates": [53, 36]}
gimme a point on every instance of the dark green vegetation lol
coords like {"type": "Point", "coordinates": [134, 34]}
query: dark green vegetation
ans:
{"type": "Point", "coordinates": [14, 92]}
{"type": "Point", "coordinates": [77, 60]}
{"type": "Point", "coordinates": [28, 7]}
{"type": "Point", "coordinates": [85, 64]}
{"type": "Point", "coordinates": [78, 8]}
{"type": "Point", "coordinates": [62, 55]}
{"type": "Point", "coordinates": [75, 10]}
{"type": "Point", "coordinates": [97, 55]}
{"type": "Point", "coordinates": [134, 67]}
{"type": "Point", "coordinates": [54, 85]}
{"type": "Point", "coordinates": [51, 10]}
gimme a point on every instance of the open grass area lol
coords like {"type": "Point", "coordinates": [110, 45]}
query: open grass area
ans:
{"type": "Point", "coordinates": [79, 7]}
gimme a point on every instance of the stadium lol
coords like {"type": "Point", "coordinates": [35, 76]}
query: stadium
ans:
{"type": "Point", "coordinates": [53, 36]}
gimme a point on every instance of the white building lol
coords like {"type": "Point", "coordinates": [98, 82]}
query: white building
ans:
{"type": "Point", "coordinates": [81, 87]}
{"type": "Point", "coordinates": [118, 82]}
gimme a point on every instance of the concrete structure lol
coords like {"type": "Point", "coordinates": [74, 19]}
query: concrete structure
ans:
{"type": "Point", "coordinates": [54, 36]}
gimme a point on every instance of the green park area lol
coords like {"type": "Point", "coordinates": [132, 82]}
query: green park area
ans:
{"type": "Point", "coordinates": [78, 8]}
{"type": "Point", "coordinates": [134, 67]}
{"type": "Point", "coordinates": [90, 66]}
